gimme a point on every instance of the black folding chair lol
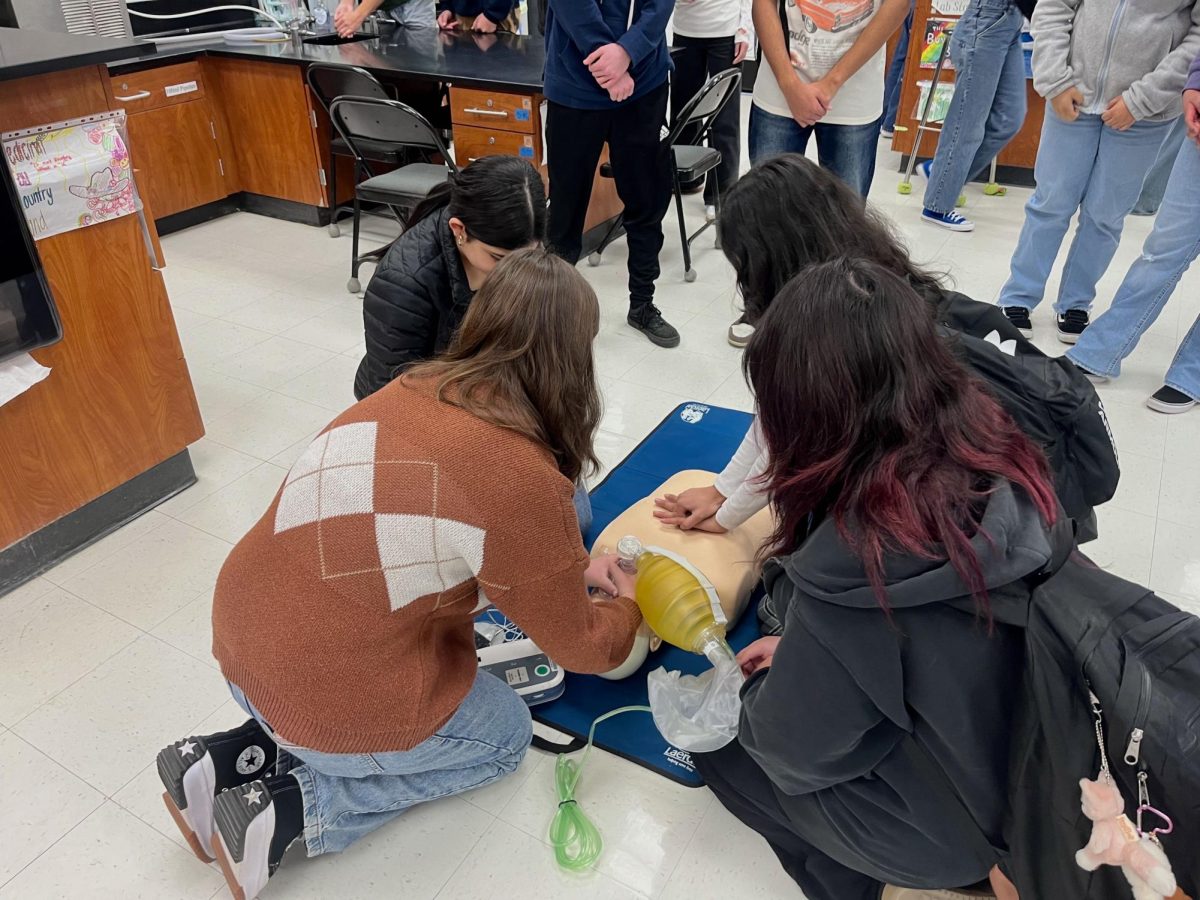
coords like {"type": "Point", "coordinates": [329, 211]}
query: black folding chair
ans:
{"type": "Point", "coordinates": [393, 124]}
{"type": "Point", "coordinates": [328, 82]}
{"type": "Point", "coordinates": [689, 162]}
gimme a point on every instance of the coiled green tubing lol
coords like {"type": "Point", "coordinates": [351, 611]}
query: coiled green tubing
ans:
{"type": "Point", "coordinates": [577, 843]}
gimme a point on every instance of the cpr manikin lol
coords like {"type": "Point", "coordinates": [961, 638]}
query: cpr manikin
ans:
{"type": "Point", "coordinates": [723, 562]}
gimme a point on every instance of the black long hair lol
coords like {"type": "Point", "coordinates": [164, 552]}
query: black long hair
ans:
{"type": "Point", "coordinates": [501, 200]}
{"type": "Point", "coordinates": [788, 213]}
{"type": "Point", "coordinates": [867, 414]}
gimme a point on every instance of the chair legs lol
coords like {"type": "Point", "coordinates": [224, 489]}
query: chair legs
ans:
{"type": "Point", "coordinates": [334, 231]}
{"type": "Point", "coordinates": [689, 274]}
{"type": "Point", "coordinates": [353, 285]}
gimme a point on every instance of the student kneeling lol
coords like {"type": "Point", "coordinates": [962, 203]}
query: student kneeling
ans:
{"type": "Point", "coordinates": [873, 746]}
{"type": "Point", "coordinates": [344, 619]}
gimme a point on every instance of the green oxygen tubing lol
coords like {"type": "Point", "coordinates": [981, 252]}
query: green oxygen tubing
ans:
{"type": "Point", "coordinates": [577, 843]}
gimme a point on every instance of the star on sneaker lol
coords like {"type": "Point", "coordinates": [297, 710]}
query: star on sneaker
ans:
{"type": "Point", "coordinates": [951, 220]}
{"type": "Point", "coordinates": [253, 796]}
{"type": "Point", "coordinates": [187, 748]}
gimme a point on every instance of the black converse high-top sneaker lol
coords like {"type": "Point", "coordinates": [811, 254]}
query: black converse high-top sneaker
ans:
{"type": "Point", "coordinates": [256, 823]}
{"type": "Point", "coordinates": [195, 769]}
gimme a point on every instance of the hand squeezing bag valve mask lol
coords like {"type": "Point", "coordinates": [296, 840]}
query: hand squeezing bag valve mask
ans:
{"type": "Point", "coordinates": [698, 713]}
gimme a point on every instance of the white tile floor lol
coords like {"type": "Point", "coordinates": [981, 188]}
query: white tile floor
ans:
{"type": "Point", "coordinates": [106, 657]}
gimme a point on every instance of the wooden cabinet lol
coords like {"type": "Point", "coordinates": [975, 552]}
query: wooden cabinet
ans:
{"type": "Point", "coordinates": [271, 129]}
{"type": "Point", "coordinates": [175, 147]}
{"type": "Point", "coordinates": [471, 143]}
{"type": "Point", "coordinates": [153, 88]}
{"type": "Point", "coordinates": [118, 400]}
{"type": "Point", "coordinates": [496, 110]}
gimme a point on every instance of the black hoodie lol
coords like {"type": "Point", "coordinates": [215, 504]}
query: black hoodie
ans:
{"type": "Point", "coordinates": [885, 736]}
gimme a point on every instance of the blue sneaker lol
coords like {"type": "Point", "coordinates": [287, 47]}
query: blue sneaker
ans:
{"type": "Point", "coordinates": [924, 168]}
{"type": "Point", "coordinates": [951, 220]}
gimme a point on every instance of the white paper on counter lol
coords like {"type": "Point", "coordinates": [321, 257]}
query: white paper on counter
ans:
{"type": "Point", "coordinates": [19, 374]}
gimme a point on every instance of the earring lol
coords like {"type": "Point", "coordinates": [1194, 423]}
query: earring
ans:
{"type": "Point", "coordinates": [461, 240]}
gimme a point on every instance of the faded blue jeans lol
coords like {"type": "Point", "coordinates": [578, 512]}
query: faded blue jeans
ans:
{"type": "Point", "coordinates": [895, 73]}
{"type": "Point", "coordinates": [349, 795]}
{"type": "Point", "coordinates": [1082, 166]}
{"type": "Point", "coordinates": [1155, 184]}
{"type": "Point", "coordinates": [988, 105]}
{"type": "Point", "coordinates": [846, 150]}
{"type": "Point", "coordinates": [1168, 252]}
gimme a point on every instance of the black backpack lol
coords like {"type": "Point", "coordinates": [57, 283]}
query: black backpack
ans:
{"type": "Point", "coordinates": [1089, 634]}
{"type": "Point", "coordinates": [1050, 399]}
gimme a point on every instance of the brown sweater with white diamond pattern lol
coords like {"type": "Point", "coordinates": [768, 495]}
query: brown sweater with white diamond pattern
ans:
{"type": "Point", "coordinates": [346, 613]}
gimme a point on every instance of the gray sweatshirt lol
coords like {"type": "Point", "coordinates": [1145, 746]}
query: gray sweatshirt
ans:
{"type": "Point", "coordinates": [1136, 49]}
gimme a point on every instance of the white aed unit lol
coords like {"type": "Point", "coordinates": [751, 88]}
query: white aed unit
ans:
{"type": "Point", "coordinates": [503, 649]}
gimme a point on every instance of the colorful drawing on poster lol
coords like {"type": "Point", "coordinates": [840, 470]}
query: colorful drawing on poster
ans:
{"type": "Point", "coordinates": [941, 101]}
{"type": "Point", "coordinates": [70, 176]}
{"type": "Point", "coordinates": [937, 32]}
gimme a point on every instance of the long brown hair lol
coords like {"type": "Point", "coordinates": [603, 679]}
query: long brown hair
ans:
{"type": "Point", "coordinates": [522, 357]}
{"type": "Point", "coordinates": [869, 418]}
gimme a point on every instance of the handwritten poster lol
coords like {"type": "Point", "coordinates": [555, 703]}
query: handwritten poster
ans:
{"type": "Point", "coordinates": [937, 32]}
{"type": "Point", "coordinates": [72, 174]}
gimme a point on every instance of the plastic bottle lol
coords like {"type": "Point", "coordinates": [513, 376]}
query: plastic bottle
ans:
{"type": "Point", "coordinates": [678, 607]}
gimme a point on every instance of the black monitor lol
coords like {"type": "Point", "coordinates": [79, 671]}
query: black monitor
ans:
{"type": "Point", "coordinates": [28, 318]}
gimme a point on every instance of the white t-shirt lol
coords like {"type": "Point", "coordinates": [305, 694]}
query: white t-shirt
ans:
{"type": "Point", "coordinates": [738, 481]}
{"type": "Point", "coordinates": [821, 33]}
{"type": "Point", "coordinates": [713, 18]}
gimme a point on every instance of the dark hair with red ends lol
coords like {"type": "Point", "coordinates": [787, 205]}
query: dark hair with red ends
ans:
{"type": "Point", "coordinates": [788, 213]}
{"type": "Point", "coordinates": [869, 418]}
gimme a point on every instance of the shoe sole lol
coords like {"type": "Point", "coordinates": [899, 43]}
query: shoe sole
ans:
{"type": "Point", "coordinates": [657, 341]}
{"type": "Point", "coordinates": [949, 226]}
{"type": "Point", "coordinates": [189, 790]}
{"type": "Point", "coordinates": [738, 342]}
{"type": "Point", "coordinates": [1067, 337]}
{"type": "Point", "coordinates": [246, 879]}
{"type": "Point", "coordinates": [1169, 408]}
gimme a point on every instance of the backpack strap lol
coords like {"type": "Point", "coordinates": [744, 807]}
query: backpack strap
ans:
{"type": "Point", "coordinates": [783, 20]}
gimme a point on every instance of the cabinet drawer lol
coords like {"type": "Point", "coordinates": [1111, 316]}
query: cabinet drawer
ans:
{"type": "Point", "coordinates": [495, 109]}
{"type": "Point", "coordinates": [155, 88]}
{"type": "Point", "coordinates": [472, 143]}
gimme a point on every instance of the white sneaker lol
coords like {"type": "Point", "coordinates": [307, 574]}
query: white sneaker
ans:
{"type": "Point", "coordinates": [740, 333]}
{"type": "Point", "coordinates": [710, 214]}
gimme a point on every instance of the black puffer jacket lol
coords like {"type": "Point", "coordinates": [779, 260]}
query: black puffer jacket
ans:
{"type": "Point", "coordinates": [413, 304]}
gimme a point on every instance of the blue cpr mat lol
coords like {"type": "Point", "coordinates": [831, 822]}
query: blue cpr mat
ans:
{"type": "Point", "coordinates": [694, 436]}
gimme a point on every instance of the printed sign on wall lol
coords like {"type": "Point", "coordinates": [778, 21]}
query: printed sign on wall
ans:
{"type": "Point", "coordinates": [950, 7]}
{"type": "Point", "coordinates": [72, 174]}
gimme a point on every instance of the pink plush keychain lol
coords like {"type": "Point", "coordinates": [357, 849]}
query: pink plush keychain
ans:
{"type": "Point", "coordinates": [1115, 840]}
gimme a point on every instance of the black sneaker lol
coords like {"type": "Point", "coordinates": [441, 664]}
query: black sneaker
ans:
{"type": "Point", "coordinates": [256, 823]}
{"type": "Point", "coordinates": [197, 768]}
{"type": "Point", "coordinates": [1168, 400]}
{"type": "Point", "coordinates": [1072, 324]}
{"type": "Point", "coordinates": [649, 321]}
{"type": "Point", "coordinates": [1019, 316]}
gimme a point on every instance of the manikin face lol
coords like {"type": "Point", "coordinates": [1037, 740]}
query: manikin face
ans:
{"type": "Point", "coordinates": [478, 258]}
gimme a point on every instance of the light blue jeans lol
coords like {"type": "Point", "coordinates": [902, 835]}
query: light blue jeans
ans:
{"type": "Point", "coordinates": [1169, 250]}
{"type": "Point", "coordinates": [1082, 166]}
{"type": "Point", "coordinates": [1155, 184]}
{"type": "Point", "coordinates": [583, 508]}
{"type": "Point", "coordinates": [846, 150]}
{"type": "Point", "coordinates": [895, 73]}
{"type": "Point", "coordinates": [988, 105]}
{"type": "Point", "coordinates": [349, 795]}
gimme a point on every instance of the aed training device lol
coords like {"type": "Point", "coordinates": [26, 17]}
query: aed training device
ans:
{"type": "Point", "coordinates": [503, 650]}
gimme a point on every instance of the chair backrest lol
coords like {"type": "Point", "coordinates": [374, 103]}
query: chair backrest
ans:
{"type": "Point", "coordinates": [330, 81]}
{"type": "Point", "coordinates": [708, 101]}
{"type": "Point", "coordinates": [386, 121]}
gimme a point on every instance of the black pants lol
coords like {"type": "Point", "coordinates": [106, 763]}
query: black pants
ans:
{"type": "Point", "coordinates": [641, 167]}
{"type": "Point", "coordinates": [696, 61]}
{"type": "Point", "coordinates": [746, 791]}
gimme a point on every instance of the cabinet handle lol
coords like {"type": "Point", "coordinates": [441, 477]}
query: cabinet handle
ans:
{"type": "Point", "coordinates": [471, 159]}
{"type": "Point", "coordinates": [140, 95]}
{"type": "Point", "coordinates": [475, 110]}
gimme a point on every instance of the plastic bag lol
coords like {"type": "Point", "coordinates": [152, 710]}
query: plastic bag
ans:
{"type": "Point", "coordinates": [698, 713]}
